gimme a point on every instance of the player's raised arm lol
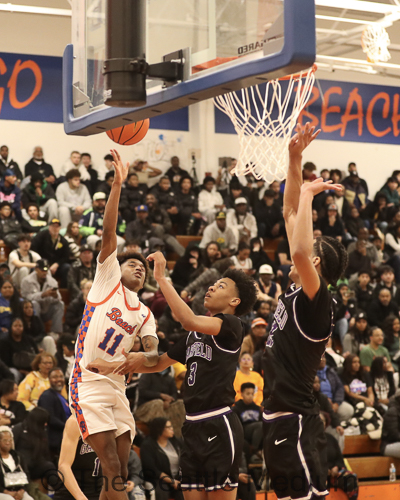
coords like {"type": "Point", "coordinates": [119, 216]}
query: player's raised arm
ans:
{"type": "Point", "coordinates": [185, 316]}
{"type": "Point", "coordinates": [294, 179]}
{"type": "Point", "coordinates": [301, 247]}
{"type": "Point", "coordinates": [109, 238]}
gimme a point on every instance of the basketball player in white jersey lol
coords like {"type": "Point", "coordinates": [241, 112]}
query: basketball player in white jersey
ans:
{"type": "Point", "coordinates": [112, 318]}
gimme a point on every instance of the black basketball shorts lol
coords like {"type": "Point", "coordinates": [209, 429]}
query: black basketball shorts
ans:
{"type": "Point", "coordinates": [212, 450]}
{"type": "Point", "coordinates": [295, 455]}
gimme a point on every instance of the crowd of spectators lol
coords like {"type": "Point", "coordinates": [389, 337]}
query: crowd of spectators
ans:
{"type": "Point", "coordinates": [52, 227]}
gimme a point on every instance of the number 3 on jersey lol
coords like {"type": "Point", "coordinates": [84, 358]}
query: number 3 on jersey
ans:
{"type": "Point", "coordinates": [192, 375]}
{"type": "Point", "coordinates": [117, 340]}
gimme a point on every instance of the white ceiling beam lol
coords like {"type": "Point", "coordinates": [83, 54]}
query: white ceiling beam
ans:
{"type": "Point", "coordinates": [29, 9]}
{"type": "Point", "coordinates": [358, 5]}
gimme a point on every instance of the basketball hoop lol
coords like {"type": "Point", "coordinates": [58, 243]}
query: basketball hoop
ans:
{"type": "Point", "coordinates": [375, 42]}
{"type": "Point", "coordinates": [264, 121]}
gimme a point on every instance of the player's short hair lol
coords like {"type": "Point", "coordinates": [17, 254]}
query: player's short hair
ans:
{"type": "Point", "coordinates": [334, 258]}
{"type": "Point", "coordinates": [245, 285]}
{"type": "Point", "coordinates": [123, 257]}
{"type": "Point", "coordinates": [247, 385]}
{"type": "Point", "coordinates": [74, 172]}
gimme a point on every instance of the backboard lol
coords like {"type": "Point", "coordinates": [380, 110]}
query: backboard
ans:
{"type": "Point", "coordinates": [226, 45]}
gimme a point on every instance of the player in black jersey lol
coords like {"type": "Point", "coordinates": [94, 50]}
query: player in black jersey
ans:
{"type": "Point", "coordinates": [81, 477]}
{"type": "Point", "coordinates": [294, 440]}
{"type": "Point", "coordinates": [213, 434]}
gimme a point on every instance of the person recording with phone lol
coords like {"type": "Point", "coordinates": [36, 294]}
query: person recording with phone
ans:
{"type": "Point", "coordinates": [42, 289]}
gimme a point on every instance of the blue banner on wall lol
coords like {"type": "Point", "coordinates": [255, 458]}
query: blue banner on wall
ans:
{"type": "Point", "coordinates": [346, 112]}
{"type": "Point", "coordinates": [30, 90]}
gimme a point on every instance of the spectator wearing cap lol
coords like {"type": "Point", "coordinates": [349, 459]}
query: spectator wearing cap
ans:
{"type": "Point", "coordinates": [22, 260]}
{"type": "Point", "coordinates": [241, 221]}
{"type": "Point", "coordinates": [10, 192]}
{"type": "Point", "coordinates": [210, 200]}
{"type": "Point", "coordinates": [92, 222]}
{"type": "Point", "coordinates": [332, 225]}
{"type": "Point", "coordinates": [308, 172]}
{"type": "Point", "coordinates": [55, 249]}
{"type": "Point", "coordinates": [255, 340]}
{"type": "Point", "coordinates": [355, 193]}
{"type": "Point", "coordinates": [162, 225]}
{"type": "Point", "coordinates": [358, 335]}
{"type": "Point", "coordinates": [40, 192]}
{"type": "Point", "coordinates": [269, 216]}
{"type": "Point", "coordinates": [54, 402]}
{"type": "Point", "coordinates": [73, 314]}
{"type": "Point", "coordinates": [269, 290]}
{"type": "Point", "coordinates": [83, 268]}
{"type": "Point", "coordinates": [10, 226]}
{"type": "Point", "coordinates": [73, 198]}
{"type": "Point", "coordinates": [221, 233]}
{"type": "Point", "coordinates": [132, 195]}
{"type": "Point", "coordinates": [42, 290]}
{"type": "Point", "coordinates": [37, 165]}
{"type": "Point", "coordinates": [6, 164]}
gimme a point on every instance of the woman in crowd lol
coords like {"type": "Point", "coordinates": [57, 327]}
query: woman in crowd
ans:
{"type": "Point", "coordinates": [382, 383]}
{"type": "Point", "coordinates": [36, 382]}
{"type": "Point", "coordinates": [30, 437]}
{"type": "Point", "coordinates": [187, 267]}
{"type": "Point", "coordinates": [11, 411]}
{"type": "Point", "coordinates": [211, 254]}
{"type": "Point", "coordinates": [160, 460]}
{"type": "Point", "coordinates": [390, 443]}
{"type": "Point", "coordinates": [74, 239]}
{"type": "Point", "coordinates": [391, 330]}
{"type": "Point", "coordinates": [246, 374]}
{"type": "Point", "coordinates": [11, 462]}
{"type": "Point", "coordinates": [242, 259]}
{"type": "Point", "coordinates": [356, 382]}
{"type": "Point", "coordinates": [10, 307]}
{"type": "Point", "coordinates": [34, 328]}
{"type": "Point", "coordinates": [358, 335]}
{"type": "Point", "coordinates": [18, 349]}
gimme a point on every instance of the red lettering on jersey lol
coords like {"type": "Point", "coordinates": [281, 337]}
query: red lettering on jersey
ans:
{"type": "Point", "coordinates": [115, 315]}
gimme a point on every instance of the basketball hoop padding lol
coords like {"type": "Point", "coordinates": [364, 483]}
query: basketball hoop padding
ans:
{"type": "Point", "coordinates": [264, 119]}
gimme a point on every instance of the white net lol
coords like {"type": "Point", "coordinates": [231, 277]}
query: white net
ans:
{"type": "Point", "coordinates": [375, 42]}
{"type": "Point", "coordinates": [264, 120]}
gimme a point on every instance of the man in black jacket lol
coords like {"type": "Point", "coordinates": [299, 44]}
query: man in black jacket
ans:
{"type": "Point", "coordinates": [37, 165]}
{"type": "Point", "coordinates": [58, 408]}
{"type": "Point", "coordinates": [53, 247]}
{"type": "Point", "coordinates": [269, 216]}
{"type": "Point", "coordinates": [5, 163]}
{"type": "Point", "coordinates": [84, 268]}
{"type": "Point", "coordinates": [40, 192]}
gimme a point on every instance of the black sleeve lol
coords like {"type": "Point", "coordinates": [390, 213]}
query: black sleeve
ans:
{"type": "Point", "coordinates": [178, 351]}
{"type": "Point", "coordinates": [232, 332]}
{"type": "Point", "coordinates": [314, 316]}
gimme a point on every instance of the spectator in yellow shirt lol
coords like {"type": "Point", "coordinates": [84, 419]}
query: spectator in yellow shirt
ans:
{"type": "Point", "coordinates": [37, 381]}
{"type": "Point", "coordinates": [245, 374]}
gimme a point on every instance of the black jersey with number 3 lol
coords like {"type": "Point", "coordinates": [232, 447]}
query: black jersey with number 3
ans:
{"type": "Point", "coordinates": [211, 362]}
{"type": "Point", "coordinates": [294, 349]}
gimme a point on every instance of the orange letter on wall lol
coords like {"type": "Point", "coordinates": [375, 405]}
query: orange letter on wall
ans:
{"type": "Point", "coordinates": [396, 115]}
{"type": "Point", "coordinates": [3, 69]}
{"type": "Point", "coordinates": [12, 84]}
{"type": "Point", "coordinates": [354, 97]}
{"type": "Point", "coordinates": [326, 109]}
{"type": "Point", "coordinates": [306, 114]}
{"type": "Point", "coordinates": [385, 114]}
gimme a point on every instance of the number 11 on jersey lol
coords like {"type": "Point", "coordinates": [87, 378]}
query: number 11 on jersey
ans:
{"type": "Point", "coordinates": [107, 338]}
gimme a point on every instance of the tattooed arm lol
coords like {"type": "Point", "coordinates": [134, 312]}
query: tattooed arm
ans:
{"type": "Point", "coordinates": [150, 346]}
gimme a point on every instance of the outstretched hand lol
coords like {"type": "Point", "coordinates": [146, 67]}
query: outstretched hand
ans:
{"type": "Point", "coordinates": [121, 170]}
{"type": "Point", "coordinates": [319, 185]}
{"type": "Point", "coordinates": [159, 264]}
{"type": "Point", "coordinates": [133, 360]}
{"type": "Point", "coordinates": [302, 138]}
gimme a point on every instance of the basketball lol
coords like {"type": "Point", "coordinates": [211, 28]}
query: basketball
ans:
{"type": "Point", "coordinates": [129, 134]}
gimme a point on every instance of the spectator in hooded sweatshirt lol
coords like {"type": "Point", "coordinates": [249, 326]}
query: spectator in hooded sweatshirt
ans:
{"type": "Point", "coordinates": [40, 192]}
{"type": "Point", "coordinates": [10, 192]}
